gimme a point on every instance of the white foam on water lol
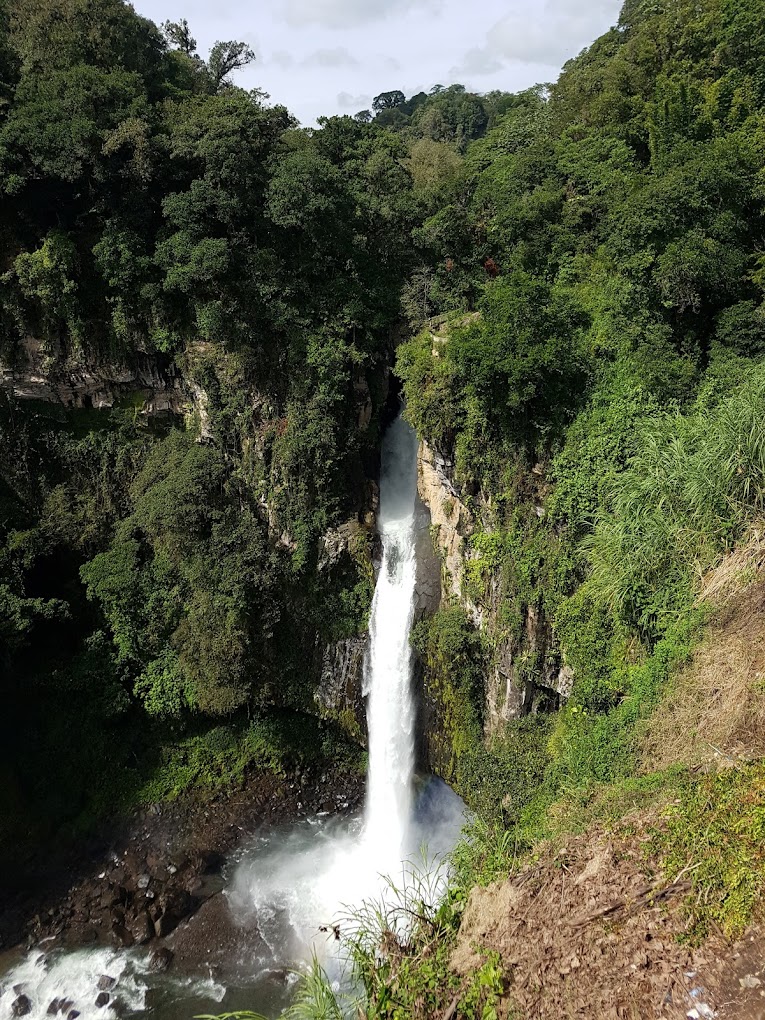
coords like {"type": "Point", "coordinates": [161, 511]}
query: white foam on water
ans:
{"type": "Point", "coordinates": [73, 977]}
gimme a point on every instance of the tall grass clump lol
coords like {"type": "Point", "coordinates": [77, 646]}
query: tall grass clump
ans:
{"type": "Point", "coordinates": [316, 999]}
{"type": "Point", "coordinates": [397, 945]}
{"type": "Point", "coordinates": [686, 497]}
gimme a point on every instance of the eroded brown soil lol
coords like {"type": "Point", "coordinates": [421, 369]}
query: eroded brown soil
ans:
{"type": "Point", "coordinates": [590, 932]}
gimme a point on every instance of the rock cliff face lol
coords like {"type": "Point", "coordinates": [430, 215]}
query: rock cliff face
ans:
{"type": "Point", "coordinates": [451, 521]}
{"type": "Point", "coordinates": [156, 384]}
{"type": "Point", "coordinates": [525, 675]}
{"type": "Point", "coordinates": [340, 694]}
{"type": "Point", "coordinates": [36, 374]}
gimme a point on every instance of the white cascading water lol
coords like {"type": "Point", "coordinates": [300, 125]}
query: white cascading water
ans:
{"type": "Point", "coordinates": [391, 708]}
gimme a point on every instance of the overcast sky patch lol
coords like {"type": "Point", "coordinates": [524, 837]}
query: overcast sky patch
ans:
{"type": "Point", "coordinates": [337, 57]}
{"type": "Point", "coordinates": [344, 14]}
{"type": "Point", "coordinates": [313, 52]}
{"type": "Point", "coordinates": [347, 101]}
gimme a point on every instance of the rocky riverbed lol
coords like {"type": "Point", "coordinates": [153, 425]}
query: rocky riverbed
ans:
{"type": "Point", "coordinates": [141, 880]}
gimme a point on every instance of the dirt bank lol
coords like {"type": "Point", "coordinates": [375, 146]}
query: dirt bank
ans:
{"type": "Point", "coordinates": [591, 931]}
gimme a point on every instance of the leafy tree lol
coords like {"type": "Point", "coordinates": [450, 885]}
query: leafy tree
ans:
{"type": "Point", "coordinates": [178, 35]}
{"type": "Point", "coordinates": [226, 57]}
{"type": "Point", "coordinates": [388, 100]}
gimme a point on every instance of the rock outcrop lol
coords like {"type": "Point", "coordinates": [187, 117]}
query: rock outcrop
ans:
{"type": "Point", "coordinates": [340, 694]}
{"type": "Point", "coordinates": [451, 521]}
{"type": "Point", "coordinates": [153, 384]}
{"type": "Point", "coordinates": [525, 675]}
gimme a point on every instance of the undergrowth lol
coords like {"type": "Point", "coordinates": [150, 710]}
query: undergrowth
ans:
{"type": "Point", "coordinates": [715, 832]}
{"type": "Point", "coordinates": [397, 949]}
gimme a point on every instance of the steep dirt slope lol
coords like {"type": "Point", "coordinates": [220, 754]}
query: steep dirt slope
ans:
{"type": "Point", "coordinates": [594, 928]}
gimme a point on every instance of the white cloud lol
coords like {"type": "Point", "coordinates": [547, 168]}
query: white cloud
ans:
{"type": "Point", "coordinates": [336, 57]}
{"type": "Point", "coordinates": [343, 14]}
{"type": "Point", "coordinates": [281, 58]}
{"type": "Point", "coordinates": [560, 29]}
{"type": "Point", "coordinates": [347, 101]}
{"type": "Point", "coordinates": [476, 62]}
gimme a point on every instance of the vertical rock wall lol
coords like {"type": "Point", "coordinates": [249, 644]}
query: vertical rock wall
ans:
{"type": "Point", "coordinates": [524, 676]}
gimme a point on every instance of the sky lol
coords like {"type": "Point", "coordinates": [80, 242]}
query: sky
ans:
{"type": "Point", "coordinates": [325, 57]}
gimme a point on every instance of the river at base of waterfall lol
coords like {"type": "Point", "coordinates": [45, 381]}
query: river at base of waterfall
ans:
{"type": "Point", "coordinates": [282, 887]}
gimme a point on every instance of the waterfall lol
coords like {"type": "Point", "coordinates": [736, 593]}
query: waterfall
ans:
{"type": "Point", "coordinates": [388, 678]}
{"type": "Point", "coordinates": [292, 880]}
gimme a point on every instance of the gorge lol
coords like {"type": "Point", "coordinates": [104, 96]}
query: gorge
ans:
{"type": "Point", "coordinates": [287, 885]}
{"type": "Point", "coordinates": [212, 550]}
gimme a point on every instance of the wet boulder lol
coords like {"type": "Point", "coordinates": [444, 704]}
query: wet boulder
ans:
{"type": "Point", "coordinates": [142, 929]}
{"type": "Point", "coordinates": [21, 1005]}
{"type": "Point", "coordinates": [173, 906]}
{"type": "Point", "coordinates": [161, 959]}
{"type": "Point", "coordinates": [122, 936]}
{"type": "Point", "coordinates": [102, 999]}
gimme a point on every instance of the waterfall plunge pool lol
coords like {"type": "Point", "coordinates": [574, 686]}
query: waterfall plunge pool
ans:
{"type": "Point", "coordinates": [282, 886]}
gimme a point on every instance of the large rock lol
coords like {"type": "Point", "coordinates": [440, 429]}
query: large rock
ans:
{"type": "Point", "coordinates": [21, 1005]}
{"type": "Point", "coordinates": [527, 676]}
{"type": "Point", "coordinates": [142, 928]}
{"type": "Point", "coordinates": [427, 584]}
{"type": "Point", "coordinates": [39, 374]}
{"type": "Point", "coordinates": [122, 935]}
{"type": "Point", "coordinates": [161, 959]}
{"type": "Point", "coordinates": [340, 694]}
{"type": "Point", "coordinates": [451, 521]}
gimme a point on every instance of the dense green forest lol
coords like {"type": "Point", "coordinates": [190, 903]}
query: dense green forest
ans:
{"type": "Point", "coordinates": [596, 251]}
{"type": "Point", "coordinates": [588, 335]}
{"type": "Point", "coordinates": [163, 581]}
{"type": "Point", "coordinates": [604, 410]}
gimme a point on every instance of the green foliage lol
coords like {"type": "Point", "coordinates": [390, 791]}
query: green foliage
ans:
{"type": "Point", "coordinates": [451, 650]}
{"type": "Point", "coordinates": [315, 998]}
{"type": "Point", "coordinates": [183, 580]}
{"type": "Point", "coordinates": [590, 253]}
{"type": "Point", "coordinates": [686, 497]}
{"type": "Point", "coordinates": [713, 833]}
{"type": "Point", "coordinates": [485, 853]}
{"type": "Point", "coordinates": [487, 985]}
{"type": "Point", "coordinates": [500, 778]}
{"type": "Point", "coordinates": [398, 948]}
{"type": "Point", "coordinates": [596, 380]}
{"type": "Point", "coordinates": [47, 277]}
{"type": "Point", "coordinates": [595, 738]}
{"type": "Point", "coordinates": [216, 758]}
